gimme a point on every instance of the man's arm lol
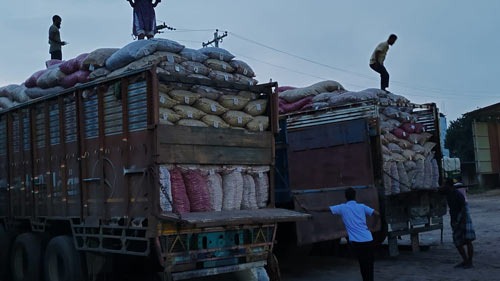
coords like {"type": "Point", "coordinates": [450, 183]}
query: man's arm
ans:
{"type": "Point", "coordinates": [56, 39]}
{"type": "Point", "coordinates": [375, 212]}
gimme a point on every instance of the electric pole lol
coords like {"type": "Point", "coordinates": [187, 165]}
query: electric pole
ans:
{"type": "Point", "coordinates": [216, 39]}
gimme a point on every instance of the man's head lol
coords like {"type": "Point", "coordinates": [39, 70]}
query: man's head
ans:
{"type": "Point", "coordinates": [350, 194]}
{"type": "Point", "coordinates": [56, 20]}
{"type": "Point", "coordinates": [392, 39]}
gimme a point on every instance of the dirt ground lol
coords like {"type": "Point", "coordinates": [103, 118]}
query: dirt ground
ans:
{"type": "Point", "coordinates": [434, 261]}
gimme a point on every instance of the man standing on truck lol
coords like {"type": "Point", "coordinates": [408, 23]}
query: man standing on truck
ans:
{"type": "Point", "coordinates": [377, 60]}
{"type": "Point", "coordinates": [144, 18]}
{"type": "Point", "coordinates": [461, 224]}
{"type": "Point", "coordinates": [360, 238]}
{"type": "Point", "coordinates": [55, 39]}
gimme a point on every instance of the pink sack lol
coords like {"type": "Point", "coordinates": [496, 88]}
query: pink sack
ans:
{"type": "Point", "coordinates": [408, 127]}
{"type": "Point", "coordinates": [80, 60]}
{"type": "Point", "coordinates": [31, 81]}
{"type": "Point", "coordinates": [294, 106]}
{"type": "Point", "coordinates": [50, 63]}
{"type": "Point", "coordinates": [180, 199]}
{"type": "Point", "coordinates": [285, 88]}
{"type": "Point", "coordinates": [400, 133]}
{"type": "Point", "coordinates": [69, 66]}
{"type": "Point", "coordinates": [197, 190]}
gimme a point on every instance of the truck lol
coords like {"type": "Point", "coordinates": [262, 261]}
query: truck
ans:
{"type": "Point", "coordinates": [319, 153]}
{"type": "Point", "coordinates": [82, 184]}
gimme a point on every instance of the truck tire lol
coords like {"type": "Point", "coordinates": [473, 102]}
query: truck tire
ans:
{"type": "Point", "coordinates": [6, 239]}
{"type": "Point", "coordinates": [26, 258]}
{"type": "Point", "coordinates": [62, 260]}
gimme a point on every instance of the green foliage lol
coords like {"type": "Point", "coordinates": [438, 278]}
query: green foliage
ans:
{"type": "Point", "coordinates": [459, 139]}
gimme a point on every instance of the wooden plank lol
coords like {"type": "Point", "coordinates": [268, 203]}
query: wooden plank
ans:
{"type": "Point", "coordinates": [237, 217]}
{"type": "Point", "coordinates": [213, 136]}
{"type": "Point", "coordinates": [217, 155]}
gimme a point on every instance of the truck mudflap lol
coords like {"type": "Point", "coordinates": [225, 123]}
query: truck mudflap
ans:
{"type": "Point", "coordinates": [324, 226]}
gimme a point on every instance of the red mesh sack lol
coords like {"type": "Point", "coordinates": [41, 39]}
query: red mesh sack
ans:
{"type": "Point", "coordinates": [197, 190]}
{"type": "Point", "coordinates": [31, 81]}
{"type": "Point", "coordinates": [400, 133]}
{"type": "Point", "coordinates": [419, 128]}
{"type": "Point", "coordinates": [294, 106]}
{"type": "Point", "coordinates": [179, 195]}
{"type": "Point", "coordinates": [408, 127]}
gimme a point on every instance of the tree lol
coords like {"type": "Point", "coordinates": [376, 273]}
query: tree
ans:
{"type": "Point", "coordinates": [459, 139]}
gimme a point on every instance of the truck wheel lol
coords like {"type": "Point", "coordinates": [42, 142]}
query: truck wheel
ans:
{"type": "Point", "coordinates": [6, 239]}
{"type": "Point", "coordinates": [62, 260]}
{"type": "Point", "coordinates": [26, 257]}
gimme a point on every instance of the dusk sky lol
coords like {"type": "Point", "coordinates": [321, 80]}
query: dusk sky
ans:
{"type": "Point", "coordinates": [447, 51]}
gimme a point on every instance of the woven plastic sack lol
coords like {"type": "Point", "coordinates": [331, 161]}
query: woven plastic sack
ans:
{"type": "Point", "coordinates": [140, 63]}
{"type": "Point", "coordinates": [435, 173]}
{"type": "Point", "coordinates": [207, 92]}
{"type": "Point", "coordinates": [131, 52]}
{"type": "Point", "coordinates": [166, 200]}
{"type": "Point", "coordinates": [180, 198]}
{"type": "Point", "coordinates": [6, 102]}
{"type": "Point", "coordinates": [193, 55]}
{"type": "Point", "coordinates": [258, 124]}
{"type": "Point", "coordinates": [191, 123]}
{"type": "Point", "coordinates": [166, 101]}
{"type": "Point", "coordinates": [285, 107]}
{"type": "Point", "coordinates": [385, 150]}
{"type": "Point", "coordinates": [324, 97]}
{"type": "Point", "coordinates": [242, 67]}
{"type": "Point", "coordinates": [395, 186]}
{"type": "Point", "coordinates": [387, 177]}
{"type": "Point", "coordinates": [14, 92]}
{"type": "Point", "coordinates": [196, 68]}
{"type": "Point", "coordinates": [97, 58]}
{"type": "Point", "coordinates": [249, 201]}
{"type": "Point", "coordinates": [389, 125]}
{"type": "Point", "coordinates": [404, 182]}
{"type": "Point", "coordinates": [394, 148]}
{"type": "Point", "coordinates": [166, 45]}
{"type": "Point", "coordinates": [199, 76]}
{"type": "Point", "coordinates": [233, 102]}
{"type": "Point", "coordinates": [285, 88]}
{"type": "Point", "coordinates": [37, 92]}
{"type": "Point", "coordinates": [69, 66]}
{"type": "Point", "coordinates": [219, 65]}
{"type": "Point", "coordinates": [217, 53]}
{"type": "Point", "coordinates": [405, 144]}
{"type": "Point", "coordinates": [31, 81]}
{"type": "Point", "coordinates": [80, 76]}
{"type": "Point", "coordinates": [209, 106]}
{"type": "Point", "coordinates": [410, 165]}
{"type": "Point", "coordinates": [237, 118]}
{"type": "Point", "coordinates": [428, 146]}
{"type": "Point", "coordinates": [171, 57]}
{"type": "Point", "coordinates": [428, 173]}
{"type": "Point", "coordinates": [232, 187]}
{"type": "Point", "coordinates": [256, 107]}
{"type": "Point", "coordinates": [100, 72]}
{"type": "Point", "coordinates": [214, 121]}
{"type": "Point", "coordinates": [419, 177]}
{"type": "Point", "coordinates": [391, 112]}
{"type": "Point", "coordinates": [400, 133]}
{"type": "Point", "coordinates": [189, 112]}
{"type": "Point", "coordinates": [197, 190]}
{"type": "Point", "coordinates": [168, 115]}
{"type": "Point", "coordinates": [174, 68]}
{"type": "Point", "coordinates": [184, 97]}
{"type": "Point", "coordinates": [312, 90]}
{"type": "Point", "coordinates": [408, 154]}
{"type": "Point", "coordinates": [242, 79]}
{"type": "Point", "coordinates": [249, 95]}
{"type": "Point", "coordinates": [214, 183]}
{"type": "Point", "coordinates": [50, 78]}
{"type": "Point", "coordinates": [221, 76]}
{"type": "Point", "coordinates": [261, 180]}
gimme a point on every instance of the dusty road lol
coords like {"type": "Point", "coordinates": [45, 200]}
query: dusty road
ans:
{"type": "Point", "coordinates": [435, 261]}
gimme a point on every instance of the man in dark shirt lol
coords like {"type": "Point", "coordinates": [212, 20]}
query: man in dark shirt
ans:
{"type": "Point", "coordinates": [461, 224]}
{"type": "Point", "coordinates": [55, 39]}
{"type": "Point", "coordinates": [144, 18]}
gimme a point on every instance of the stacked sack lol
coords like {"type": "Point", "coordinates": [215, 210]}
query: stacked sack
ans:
{"type": "Point", "coordinates": [408, 156]}
{"type": "Point", "coordinates": [170, 57]}
{"type": "Point", "coordinates": [203, 106]}
{"type": "Point", "coordinates": [293, 99]}
{"type": "Point", "coordinates": [195, 188]}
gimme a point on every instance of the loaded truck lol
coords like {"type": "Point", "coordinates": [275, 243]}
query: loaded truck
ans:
{"type": "Point", "coordinates": [85, 191]}
{"type": "Point", "coordinates": [321, 152]}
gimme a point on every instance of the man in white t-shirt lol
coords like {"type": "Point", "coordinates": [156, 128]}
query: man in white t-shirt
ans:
{"type": "Point", "coordinates": [354, 218]}
{"type": "Point", "coordinates": [377, 60]}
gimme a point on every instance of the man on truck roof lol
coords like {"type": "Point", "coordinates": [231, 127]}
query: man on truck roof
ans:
{"type": "Point", "coordinates": [55, 42]}
{"type": "Point", "coordinates": [377, 60]}
{"type": "Point", "coordinates": [144, 18]}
